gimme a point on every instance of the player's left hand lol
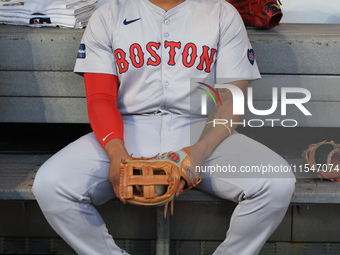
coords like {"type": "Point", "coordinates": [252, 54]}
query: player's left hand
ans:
{"type": "Point", "coordinates": [181, 186]}
{"type": "Point", "coordinates": [197, 160]}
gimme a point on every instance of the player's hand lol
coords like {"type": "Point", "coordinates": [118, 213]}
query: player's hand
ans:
{"type": "Point", "coordinates": [181, 186]}
{"type": "Point", "coordinates": [197, 158]}
{"type": "Point", "coordinates": [116, 152]}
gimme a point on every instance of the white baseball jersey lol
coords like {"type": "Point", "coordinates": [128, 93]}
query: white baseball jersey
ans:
{"type": "Point", "coordinates": [154, 62]}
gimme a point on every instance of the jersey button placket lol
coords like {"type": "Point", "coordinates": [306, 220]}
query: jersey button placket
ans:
{"type": "Point", "coordinates": [165, 67]}
{"type": "Point", "coordinates": [166, 22]}
{"type": "Point", "coordinates": [166, 82]}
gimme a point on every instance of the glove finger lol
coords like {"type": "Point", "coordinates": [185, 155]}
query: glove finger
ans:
{"type": "Point", "coordinates": [181, 186]}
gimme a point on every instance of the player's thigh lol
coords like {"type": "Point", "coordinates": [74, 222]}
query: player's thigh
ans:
{"type": "Point", "coordinates": [242, 164]}
{"type": "Point", "coordinates": [78, 171]}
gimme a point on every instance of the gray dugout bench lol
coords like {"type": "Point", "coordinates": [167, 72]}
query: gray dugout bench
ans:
{"type": "Point", "coordinates": [38, 89]}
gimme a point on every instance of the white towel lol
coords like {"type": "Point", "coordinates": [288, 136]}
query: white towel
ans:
{"type": "Point", "coordinates": [37, 13]}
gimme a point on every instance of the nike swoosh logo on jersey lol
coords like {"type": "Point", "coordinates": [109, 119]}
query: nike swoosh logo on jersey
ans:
{"type": "Point", "coordinates": [127, 22]}
{"type": "Point", "coordinates": [107, 136]}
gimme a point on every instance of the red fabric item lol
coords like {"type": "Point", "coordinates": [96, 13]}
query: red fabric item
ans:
{"type": "Point", "coordinates": [264, 14]}
{"type": "Point", "coordinates": [105, 118]}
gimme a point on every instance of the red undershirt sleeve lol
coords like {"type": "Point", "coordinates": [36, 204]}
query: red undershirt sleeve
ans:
{"type": "Point", "coordinates": [104, 116]}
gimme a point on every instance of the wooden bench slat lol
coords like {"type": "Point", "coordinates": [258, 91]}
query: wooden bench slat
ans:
{"type": "Point", "coordinates": [38, 48]}
{"type": "Point", "coordinates": [297, 49]}
{"type": "Point", "coordinates": [41, 84]}
{"type": "Point", "coordinates": [43, 110]}
{"type": "Point", "coordinates": [17, 174]}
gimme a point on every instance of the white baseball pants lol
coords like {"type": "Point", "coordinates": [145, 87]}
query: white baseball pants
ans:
{"type": "Point", "coordinates": [73, 181]}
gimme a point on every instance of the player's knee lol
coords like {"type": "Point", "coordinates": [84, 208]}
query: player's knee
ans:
{"type": "Point", "coordinates": [281, 184]}
{"type": "Point", "coordinates": [45, 187]}
{"type": "Point", "coordinates": [280, 191]}
{"type": "Point", "coordinates": [43, 183]}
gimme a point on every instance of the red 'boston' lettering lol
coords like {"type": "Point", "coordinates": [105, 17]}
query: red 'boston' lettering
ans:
{"type": "Point", "coordinates": [133, 56]}
{"type": "Point", "coordinates": [189, 53]}
{"type": "Point", "coordinates": [192, 56]}
{"type": "Point", "coordinates": [123, 65]}
{"type": "Point", "coordinates": [206, 59]}
{"type": "Point", "coordinates": [172, 51]}
{"type": "Point", "coordinates": [157, 59]}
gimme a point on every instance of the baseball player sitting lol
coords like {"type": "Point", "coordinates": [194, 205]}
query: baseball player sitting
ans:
{"type": "Point", "coordinates": [139, 59]}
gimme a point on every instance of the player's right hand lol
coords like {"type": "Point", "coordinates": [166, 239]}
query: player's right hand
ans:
{"type": "Point", "coordinates": [116, 152]}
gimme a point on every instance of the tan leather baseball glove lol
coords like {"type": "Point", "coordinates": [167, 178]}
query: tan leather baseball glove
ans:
{"type": "Point", "coordinates": [154, 181]}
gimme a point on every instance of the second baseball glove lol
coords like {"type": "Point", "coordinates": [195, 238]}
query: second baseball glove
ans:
{"type": "Point", "coordinates": [154, 181]}
{"type": "Point", "coordinates": [263, 14]}
{"type": "Point", "coordinates": [323, 159]}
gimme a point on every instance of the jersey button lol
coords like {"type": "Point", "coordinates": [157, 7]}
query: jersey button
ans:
{"type": "Point", "coordinates": [166, 22]}
{"type": "Point", "coordinates": [166, 83]}
{"type": "Point", "coordinates": [166, 34]}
